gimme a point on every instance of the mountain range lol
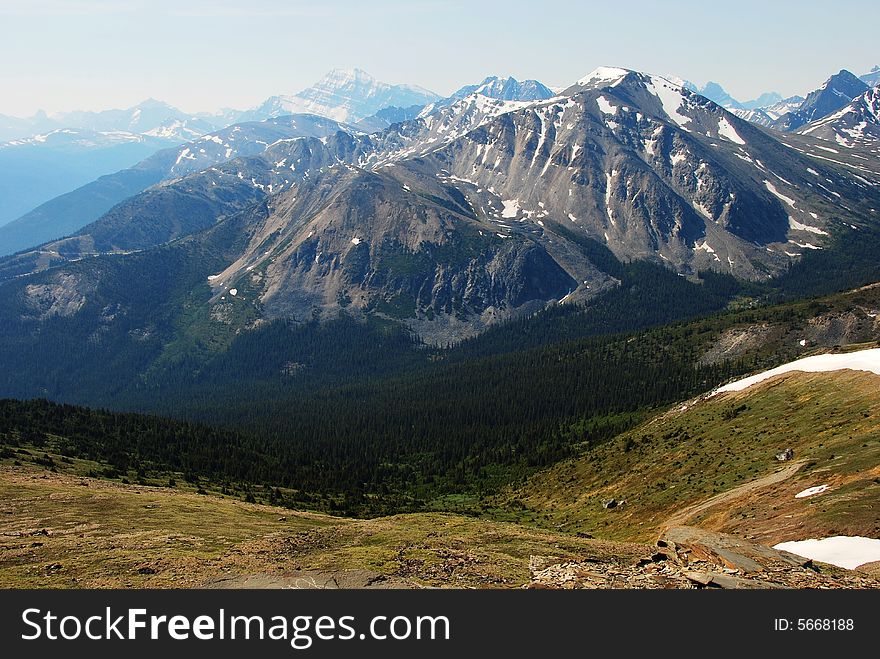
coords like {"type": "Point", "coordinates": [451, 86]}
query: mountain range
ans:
{"type": "Point", "coordinates": [348, 93]}
{"type": "Point", "coordinates": [485, 207]}
{"type": "Point", "coordinates": [69, 212]}
{"type": "Point", "coordinates": [43, 157]}
{"type": "Point", "coordinates": [855, 123]}
{"type": "Point", "coordinates": [39, 171]}
{"type": "Point", "coordinates": [482, 211]}
{"type": "Point", "coordinates": [715, 92]}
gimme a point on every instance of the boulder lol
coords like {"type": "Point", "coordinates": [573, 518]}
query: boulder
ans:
{"type": "Point", "coordinates": [786, 455]}
{"type": "Point", "coordinates": [691, 545]}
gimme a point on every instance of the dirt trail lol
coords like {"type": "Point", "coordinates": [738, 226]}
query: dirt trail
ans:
{"type": "Point", "coordinates": [681, 517]}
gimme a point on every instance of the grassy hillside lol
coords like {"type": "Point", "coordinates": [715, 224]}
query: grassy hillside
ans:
{"type": "Point", "coordinates": [710, 447]}
{"type": "Point", "coordinates": [65, 531]}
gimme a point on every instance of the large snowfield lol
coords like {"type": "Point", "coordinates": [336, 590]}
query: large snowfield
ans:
{"type": "Point", "coordinates": [841, 550]}
{"type": "Point", "coordinates": [862, 360]}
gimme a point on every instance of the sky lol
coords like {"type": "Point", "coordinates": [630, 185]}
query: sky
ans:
{"type": "Point", "coordinates": [201, 55]}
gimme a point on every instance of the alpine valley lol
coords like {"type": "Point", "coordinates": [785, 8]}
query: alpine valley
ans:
{"type": "Point", "coordinates": [505, 313]}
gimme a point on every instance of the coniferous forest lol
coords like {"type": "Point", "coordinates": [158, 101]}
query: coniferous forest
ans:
{"type": "Point", "coordinates": [358, 415]}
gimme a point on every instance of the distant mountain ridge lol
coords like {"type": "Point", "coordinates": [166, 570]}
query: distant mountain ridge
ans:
{"type": "Point", "coordinates": [495, 87]}
{"type": "Point", "coordinates": [345, 95]}
{"type": "Point", "coordinates": [80, 137]}
{"type": "Point", "coordinates": [358, 90]}
{"type": "Point", "coordinates": [150, 117]}
{"type": "Point", "coordinates": [783, 106]}
{"type": "Point", "coordinates": [71, 211]}
{"type": "Point", "coordinates": [715, 92]}
{"type": "Point", "coordinates": [842, 110]}
{"type": "Point", "coordinates": [34, 170]}
{"type": "Point", "coordinates": [42, 157]}
{"type": "Point", "coordinates": [790, 114]}
{"type": "Point", "coordinates": [507, 89]}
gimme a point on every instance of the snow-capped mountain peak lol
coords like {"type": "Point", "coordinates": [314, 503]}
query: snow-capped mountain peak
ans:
{"type": "Point", "coordinates": [497, 88]}
{"type": "Point", "coordinates": [603, 75]}
{"type": "Point", "coordinates": [508, 89]}
{"type": "Point", "coordinates": [346, 95]}
{"type": "Point", "coordinates": [854, 124]}
{"type": "Point", "coordinates": [780, 108]}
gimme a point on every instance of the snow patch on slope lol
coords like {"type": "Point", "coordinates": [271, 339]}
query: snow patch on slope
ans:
{"type": "Point", "coordinates": [604, 106]}
{"type": "Point", "coordinates": [797, 226]}
{"type": "Point", "coordinates": [727, 131]}
{"type": "Point", "coordinates": [841, 550]}
{"type": "Point", "coordinates": [861, 360]}
{"type": "Point", "coordinates": [511, 208]}
{"type": "Point", "coordinates": [778, 195]}
{"type": "Point", "coordinates": [811, 491]}
{"type": "Point", "coordinates": [671, 97]}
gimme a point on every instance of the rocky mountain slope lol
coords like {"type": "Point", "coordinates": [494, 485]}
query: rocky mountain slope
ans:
{"type": "Point", "coordinates": [694, 558]}
{"type": "Point", "coordinates": [755, 116]}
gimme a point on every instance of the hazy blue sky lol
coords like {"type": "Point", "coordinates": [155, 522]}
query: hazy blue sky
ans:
{"type": "Point", "coordinates": [204, 54]}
